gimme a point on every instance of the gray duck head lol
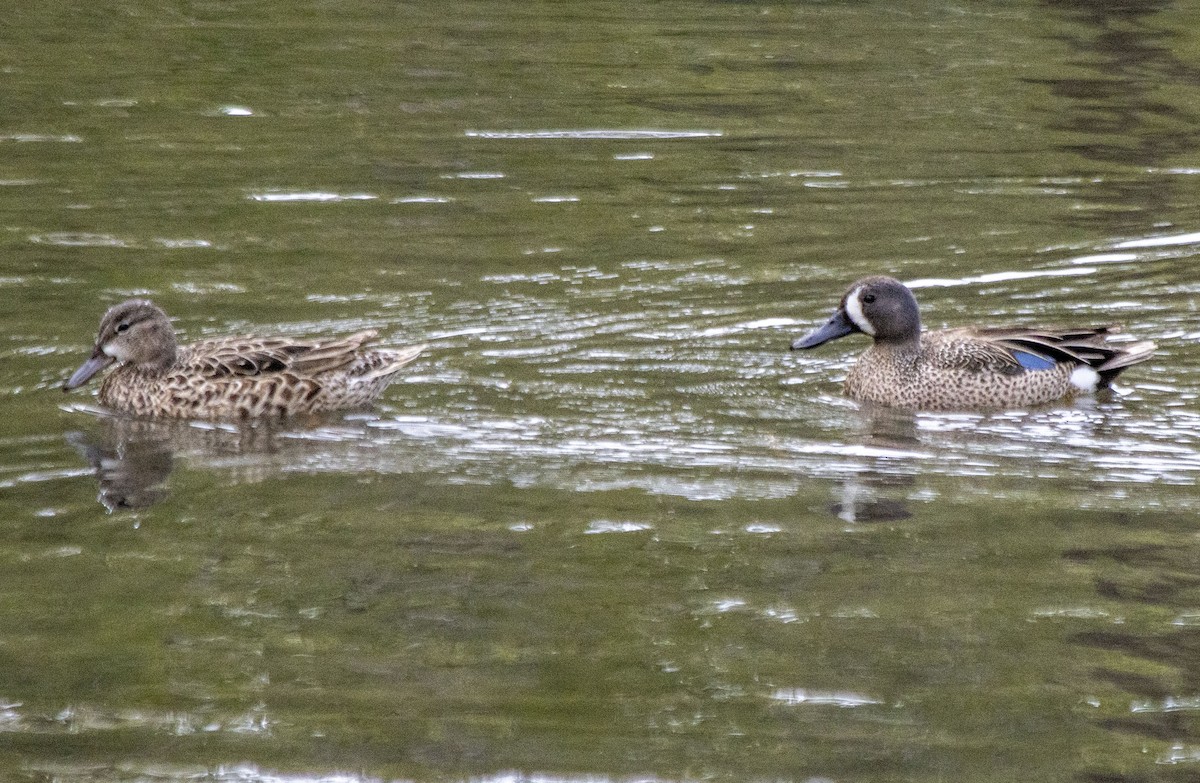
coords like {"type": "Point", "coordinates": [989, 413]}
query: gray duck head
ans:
{"type": "Point", "coordinates": [881, 307]}
{"type": "Point", "coordinates": [134, 332]}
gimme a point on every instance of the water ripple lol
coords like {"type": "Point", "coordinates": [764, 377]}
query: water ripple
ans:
{"type": "Point", "coordinates": [593, 134]}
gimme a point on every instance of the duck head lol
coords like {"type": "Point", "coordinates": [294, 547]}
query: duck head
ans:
{"type": "Point", "coordinates": [134, 332]}
{"type": "Point", "coordinates": [881, 307]}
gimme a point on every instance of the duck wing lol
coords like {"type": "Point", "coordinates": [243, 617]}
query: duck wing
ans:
{"type": "Point", "coordinates": [1073, 346]}
{"type": "Point", "coordinates": [261, 356]}
{"type": "Point", "coordinates": [1019, 350]}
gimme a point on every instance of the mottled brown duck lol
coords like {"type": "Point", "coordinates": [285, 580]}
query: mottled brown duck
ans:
{"type": "Point", "coordinates": [231, 377]}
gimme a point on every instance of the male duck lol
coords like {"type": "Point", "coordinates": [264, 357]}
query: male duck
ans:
{"type": "Point", "coordinates": [968, 368]}
{"type": "Point", "coordinates": [231, 377]}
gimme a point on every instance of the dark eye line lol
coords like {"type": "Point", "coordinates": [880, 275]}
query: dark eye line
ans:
{"type": "Point", "coordinates": [125, 325]}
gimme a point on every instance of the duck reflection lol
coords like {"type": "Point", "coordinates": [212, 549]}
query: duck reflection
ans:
{"type": "Point", "coordinates": [131, 472]}
{"type": "Point", "coordinates": [133, 458]}
{"type": "Point", "coordinates": [877, 492]}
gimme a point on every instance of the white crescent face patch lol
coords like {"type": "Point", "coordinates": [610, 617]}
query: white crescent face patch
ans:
{"type": "Point", "coordinates": [855, 312]}
{"type": "Point", "coordinates": [115, 352]}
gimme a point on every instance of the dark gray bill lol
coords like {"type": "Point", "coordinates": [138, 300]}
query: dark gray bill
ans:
{"type": "Point", "coordinates": [837, 326]}
{"type": "Point", "coordinates": [98, 362]}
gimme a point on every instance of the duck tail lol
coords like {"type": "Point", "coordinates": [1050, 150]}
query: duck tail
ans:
{"type": "Point", "coordinates": [392, 359]}
{"type": "Point", "coordinates": [1123, 355]}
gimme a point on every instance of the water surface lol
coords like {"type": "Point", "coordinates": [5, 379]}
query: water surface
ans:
{"type": "Point", "coordinates": [609, 528]}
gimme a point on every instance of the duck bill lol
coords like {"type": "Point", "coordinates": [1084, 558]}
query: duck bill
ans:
{"type": "Point", "coordinates": [839, 325]}
{"type": "Point", "coordinates": [98, 362]}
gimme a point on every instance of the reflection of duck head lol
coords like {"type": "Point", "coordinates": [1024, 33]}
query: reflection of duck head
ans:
{"type": "Point", "coordinates": [860, 503]}
{"type": "Point", "coordinates": [131, 472]}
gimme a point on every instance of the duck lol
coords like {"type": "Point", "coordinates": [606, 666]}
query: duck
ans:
{"type": "Point", "coordinates": [245, 377]}
{"type": "Point", "coordinates": [968, 368]}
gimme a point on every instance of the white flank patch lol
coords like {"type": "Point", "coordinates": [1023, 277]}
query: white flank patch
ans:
{"type": "Point", "coordinates": [854, 310]}
{"type": "Point", "coordinates": [1085, 378]}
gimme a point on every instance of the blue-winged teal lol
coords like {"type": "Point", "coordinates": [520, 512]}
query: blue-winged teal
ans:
{"type": "Point", "coordinates": [231, 377]}
{"type": "Point", "coordinates": [968, 368]}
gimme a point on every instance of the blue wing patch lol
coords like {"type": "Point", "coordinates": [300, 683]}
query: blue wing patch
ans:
{"type": "Point", "coordinates": [1033, 361]}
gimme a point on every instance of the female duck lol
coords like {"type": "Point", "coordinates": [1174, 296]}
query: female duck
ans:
{"type": "Point", "coordinates": [968, 368]}
{"type": "Point", "coordinates": [231, 377]}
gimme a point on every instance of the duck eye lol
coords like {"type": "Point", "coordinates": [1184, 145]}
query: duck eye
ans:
{"type": "Point", "coordinates": [123, 326]}
{"type": "Point", "coordinates": [868, 298]}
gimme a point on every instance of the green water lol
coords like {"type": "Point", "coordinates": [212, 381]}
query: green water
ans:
{"type": "Point", "coordinates": [608, 528]}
